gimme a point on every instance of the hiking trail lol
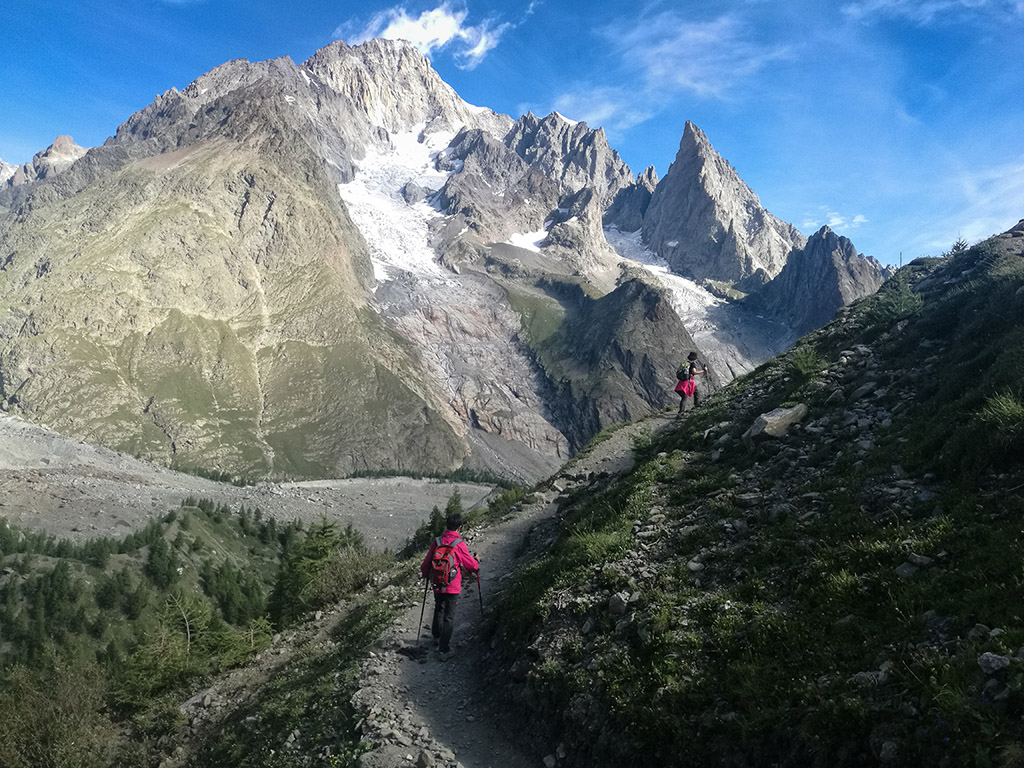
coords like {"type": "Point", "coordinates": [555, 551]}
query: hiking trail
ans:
{"type": "Point", "coordinates": [427, 712]}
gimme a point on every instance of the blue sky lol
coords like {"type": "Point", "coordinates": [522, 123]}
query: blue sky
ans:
{"type": "Point", "coordinates": [897, 122]}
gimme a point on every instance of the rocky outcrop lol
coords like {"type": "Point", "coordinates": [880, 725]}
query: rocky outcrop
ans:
{"type": "Point", "coordinates": [575, 234]}
{"type": "Point", "coordinates": [395, 88]}
{"type": "Point", "coordinates": [708, 224]}
{"type": "Point", "coordinates": [494, 191]}
{"type": "Point", "coordinates": [53, 160]}
{"type": "Point", "coordinates": [626, 213]}
{"type": "Point", "coordinates": [570, 153]}
{"type": "Point", "coordinates": [819, 278]}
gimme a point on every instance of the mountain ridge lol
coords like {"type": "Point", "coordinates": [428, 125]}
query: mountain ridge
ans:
{"type": "Point", "coordinates": [415, 191]}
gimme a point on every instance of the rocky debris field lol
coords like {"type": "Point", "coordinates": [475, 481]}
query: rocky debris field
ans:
{"type": "Point", "coordinates": [76, 490]}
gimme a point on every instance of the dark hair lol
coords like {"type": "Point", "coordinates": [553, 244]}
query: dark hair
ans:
{"type": "Point", "coordinates": [454, 521]}
{"type": "Point", "coordinates": [692, 356]}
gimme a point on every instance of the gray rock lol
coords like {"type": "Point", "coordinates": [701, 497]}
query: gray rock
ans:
{"type": "Point", "coordinates": [774, 424]}
{"type": "Point", "coordinates": [906, 570]}
{"type": "Point", "coordinates": [991, 663]}
{"type": "Point", "coordinates": [863, 390]}
{"type": "Point", "coordinates": [617, 604]}
{"type": "Point", "coordinates": [387, 756]}
{"type": "Point", "coordinates": [413, 193]}
{"type": "Point", "coordinates": [889, 752]}
{"type": "Point", "coordinates": [979, 632]}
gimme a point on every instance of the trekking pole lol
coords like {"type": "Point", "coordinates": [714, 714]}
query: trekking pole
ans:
{"type": "Point", "coordinates": [419, 627]}
{"type": "Point", "coordinates": [480, 592]}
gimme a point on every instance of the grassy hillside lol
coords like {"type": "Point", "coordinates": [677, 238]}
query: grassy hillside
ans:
{"type": "Point", "coordinates": [847, 593]}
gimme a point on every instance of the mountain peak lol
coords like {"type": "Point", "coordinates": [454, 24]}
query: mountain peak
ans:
{"type": "Point", "coordinates": [818, 279]}
{"type": "Point", "coordinates": [393, 84]}
{"type": "Point", "coordinates": [576, 154]}
{"type": "Point", "coordinates": [707, 223]}
{"type": "Point", "coordinates": [56, 158]}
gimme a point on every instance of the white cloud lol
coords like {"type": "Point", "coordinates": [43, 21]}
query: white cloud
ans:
{"type": "Point", "coordinates": [836, 221]}
{"type": "Point", "coordinates": [612, 108]}
{"type": "Point", "coordinates": [442, 28]}
{"type": "Point", "coordinates": [673, 56]}
{"type": "Point", "coordinates": [993, 200]}
{"type": "Point", "coordinates": [926, 11]}
{"type": "Point", "coordinates": [706, 58]}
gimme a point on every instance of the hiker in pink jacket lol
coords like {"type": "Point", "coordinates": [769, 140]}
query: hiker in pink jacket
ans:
{"type": "Point", "coordinates": [446, 559]}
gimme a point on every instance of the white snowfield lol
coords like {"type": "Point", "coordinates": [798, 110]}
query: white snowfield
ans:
{"type": "Point", "coordinates": [396, 231]}
{"type": "Point", "coordinates": [529, 240]}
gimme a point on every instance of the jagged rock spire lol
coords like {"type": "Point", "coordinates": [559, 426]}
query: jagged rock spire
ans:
{"type": "Point", "coordinates": [707, 223]}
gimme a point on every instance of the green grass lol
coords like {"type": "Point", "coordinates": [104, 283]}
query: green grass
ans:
{"type": "Point", "coordinates": [797, 643]}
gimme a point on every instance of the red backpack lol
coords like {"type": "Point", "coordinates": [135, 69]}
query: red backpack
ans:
{"type": "Point", "coordinates": [444, 566]}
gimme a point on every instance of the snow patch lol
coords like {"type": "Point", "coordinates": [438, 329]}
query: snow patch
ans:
{"type": "Point", "coordinates": [395, 231]}
{"type": "Point", "coordinates": [529, 240]}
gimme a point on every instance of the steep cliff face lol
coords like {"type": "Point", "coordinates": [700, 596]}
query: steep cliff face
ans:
{"type": "Point", "coordinates": [394, 87]}
{"type": "Point", "coordinates": [707, 223]}
{"type": "Point", "coordinates": [494, 191]}
{"type": "Point", "coordinates": [611, 358]}
{"type": "Point", "coordinates": [626, 213]}
{"type": "Point", "coordinates": [818, 279]}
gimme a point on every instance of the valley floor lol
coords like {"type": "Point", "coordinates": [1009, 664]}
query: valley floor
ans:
{"type": "Point", "coordinates": [75, 490]}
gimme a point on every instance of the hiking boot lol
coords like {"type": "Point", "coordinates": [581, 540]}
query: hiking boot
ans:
{"type": "Point", "coordinates": [445, 655]}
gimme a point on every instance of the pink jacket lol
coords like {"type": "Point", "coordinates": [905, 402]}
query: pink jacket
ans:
{"type": "Point", "coordinates": [465, 560]}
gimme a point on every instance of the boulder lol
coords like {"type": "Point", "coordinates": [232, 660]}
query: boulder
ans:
{"type": "Point", "coordinates": [991, 663]}
{"type": "Point", "coordinates": [388, 756]}
{"type": "Point", "coordinates": [773, 424]}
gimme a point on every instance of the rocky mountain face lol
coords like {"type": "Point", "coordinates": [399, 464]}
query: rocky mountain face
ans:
{"type": "Point", "coordinates": [58, 157]}
{"type": "Point", "coordinates": [314, 269]}
{"type": "Point", "coordinates": [708, 224]}
{"type": "Point", "coordinates": [630, 203]}
{"type": "Point", "coordinates": [818, 279]}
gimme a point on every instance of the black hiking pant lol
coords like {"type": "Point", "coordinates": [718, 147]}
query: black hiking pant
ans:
{"type": "Point", "coordinates": [444, 619]}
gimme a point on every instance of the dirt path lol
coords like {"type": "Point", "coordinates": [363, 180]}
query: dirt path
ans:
{"type": "Point", "coordinates": [430, 712]}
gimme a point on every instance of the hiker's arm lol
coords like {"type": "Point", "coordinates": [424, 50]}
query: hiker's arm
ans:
{"type": "Point", "coordinates": [466, 560]}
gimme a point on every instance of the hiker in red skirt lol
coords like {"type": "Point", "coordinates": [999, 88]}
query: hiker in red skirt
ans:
{"type": "Point", "coordinates": [447, 557]}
